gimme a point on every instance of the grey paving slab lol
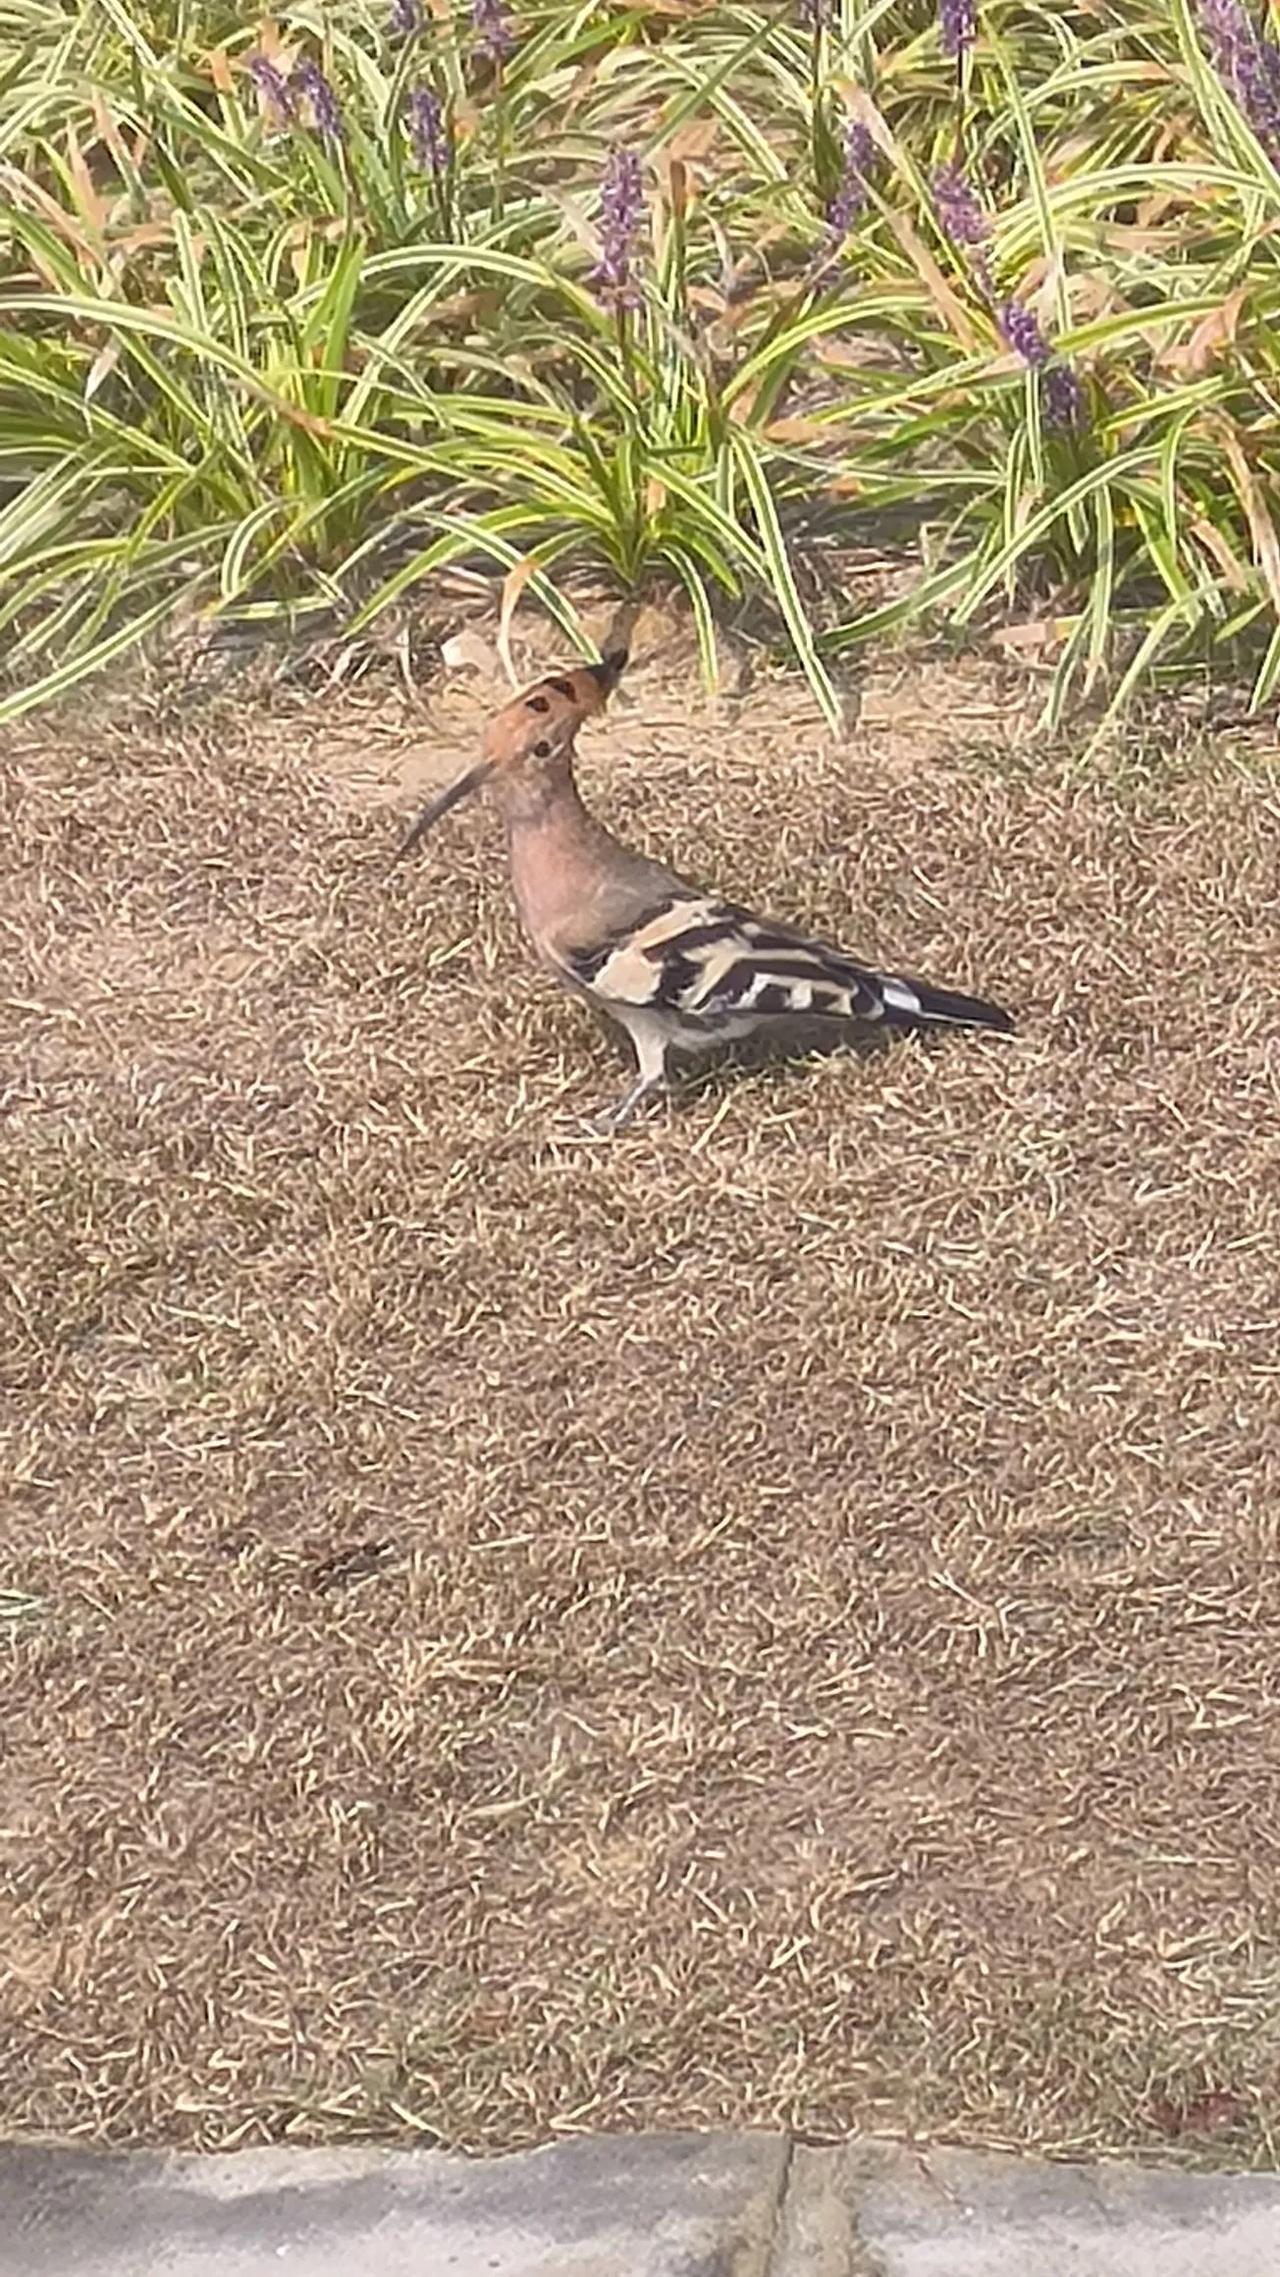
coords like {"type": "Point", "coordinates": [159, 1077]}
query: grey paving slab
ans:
{"type": "Point", "coordinates": [878, 2210]}
{"type": "Point", "coordinates": [650, 2206]}
{"type": "Point", "coordinates": [646, 2206]}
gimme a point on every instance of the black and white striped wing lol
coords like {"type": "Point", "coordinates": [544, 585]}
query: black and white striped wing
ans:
{"type": "Point", "coordinates": [713, 965]}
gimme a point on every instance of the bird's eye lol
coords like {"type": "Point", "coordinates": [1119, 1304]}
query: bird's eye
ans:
{"type": "Point", "coordinates": [542, 750]}
{"type": "Point", "coordinates": [538, 703]}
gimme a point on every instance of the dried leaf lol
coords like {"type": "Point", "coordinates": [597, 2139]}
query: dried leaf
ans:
{"type": "Point", "coordinates": [469, 652]}
{"type": "Point", "coordinates": [581, 84]}
{"type": "Point", "coordinates": [104, 363]}
{"type": "Point", "coordinates": [513, 585]}
{"type": "Point", "coordinates": [859, 106]}
{"type": "Point", "coordinates": [1036, 637]}
{"type": "Point", "coordinates": [1266, 545]}
{"type": "Point", "coordinates": [948, 303]}
{"type": "Point", "coordinates": [801, 431]}
{"type": "Point", "coordinates": [1215, 545]}
{"type": "Point", "coordinates": [583, 230]}
{"type": "Point", "coordinates": [1212, 334]}
{"type": "Point", "coordinates": [27, 193]}
{"type": "Point", "coordinates": [1093, 293]}
{"type": "Point", "coordinates": [132, 240]}
{"type": "Point", "coordinates": [91, 203]}
{"type": "Point", "coordinates": [109, 133]}
{"type": "Point", "coordinates": [1046, 286]}
{"type": "Point", "coordinates": [674, 178]}
{"type": "Point", "coordinates": [695, 139]}
{"type": "Point", "coordinates": [220, 71]}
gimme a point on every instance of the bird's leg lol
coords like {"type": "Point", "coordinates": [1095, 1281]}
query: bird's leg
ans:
{"type": "Point", "coordinates": [651, 1070]}
{"type": "Point", "coordinates": [613, 1118]}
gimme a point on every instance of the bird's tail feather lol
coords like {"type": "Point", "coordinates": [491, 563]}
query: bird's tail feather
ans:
{"type": "Point", "coordinates": [913, 1004]}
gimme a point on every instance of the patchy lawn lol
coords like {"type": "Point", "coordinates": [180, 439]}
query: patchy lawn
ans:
{"type": "Point", "coordinates": [774, 1619]}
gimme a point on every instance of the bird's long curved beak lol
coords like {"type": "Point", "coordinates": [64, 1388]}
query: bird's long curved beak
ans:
{"type": "Point", "coordinates": [453, 796]}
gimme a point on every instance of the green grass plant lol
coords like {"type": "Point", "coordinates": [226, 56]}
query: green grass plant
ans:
{"type": "Point", "coordinates": [261, 357]}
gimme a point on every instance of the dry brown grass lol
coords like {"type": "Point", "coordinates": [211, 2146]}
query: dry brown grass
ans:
{"type": "Point", "coordinates": [771, 1620]}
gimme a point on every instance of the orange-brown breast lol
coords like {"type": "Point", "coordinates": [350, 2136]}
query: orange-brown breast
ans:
{"type": "Point", "coordinates": [573, 883]}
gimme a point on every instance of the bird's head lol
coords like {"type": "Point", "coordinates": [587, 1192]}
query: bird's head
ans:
{"type": "Point", "coordinates": [530, 734]}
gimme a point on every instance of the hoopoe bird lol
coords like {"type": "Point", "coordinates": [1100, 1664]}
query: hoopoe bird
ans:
{"type": "Point", "coordinates": [680, 971]}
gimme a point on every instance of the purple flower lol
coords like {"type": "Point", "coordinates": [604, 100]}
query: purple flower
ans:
{"type": "Point", "coordinates": [1060, 394]}
{"type": "Point", "coordinates": [310, 81]}
{"type": "Point", "coordinates": [851, 197]}
{"type": "Point", "coordinates": [959, 211]}
{"type": "Point", "coordinates": [494, 36]}
{"type": "Point", "coordinates": [1248, 64]}
{"type": "Point", "coordinates": [1023, 334]}
{"type": "Point", "coordinates": [1062, 399]}
{"type": "Point", "coordinates": [962, 220]}
{"type": "Point", "coordinates": [958, 25]}
{"type": "Point", "coordinates": [621, 212]}
{"type": "Point", "coordinates": [405, 19]}
{"type": "Point", "coordinates": [816, 14]}
{"type": "Point", "coordinates": [428, 132]}
{"type": "Point", "coordinates": [273, 87]}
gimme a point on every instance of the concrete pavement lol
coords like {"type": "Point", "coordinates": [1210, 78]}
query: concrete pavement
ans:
{"type": "Point", "coordinates": [645, 2206]}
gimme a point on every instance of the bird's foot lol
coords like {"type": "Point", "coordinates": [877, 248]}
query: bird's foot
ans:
{"type": "Point", "coordinates": [611, 1120]}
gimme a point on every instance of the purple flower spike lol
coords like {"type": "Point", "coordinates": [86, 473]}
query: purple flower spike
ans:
{"type": "Point", "coordinates": [428, 132]}
{"type": "Point", "coordinates": [958, 209]}
{"type": "Point", "coordinates": [1023, 334]}
{"type": "Point", "coordinates": [963, 221]}
{"type": "Point", "coordinates": [405, 20]}
{"type": "Point", "coordinates": [273, 87]}
{"type": "Point", "coordinates": [1060, 395]}
{"type": "Point", "coordinates": [310, 81]}
{"type": "Point", "coordinates": [851, 197]}
{"type": "Point", "coordinates": [816, 14]}
{"type": "Point", "coordinates": [621, 212]}
{"type": "Point", "coordinates": [1062, 398]}
{"type": "Point", "coordinates": [958, 25]}
{"type": "Point", "coordinates": [1248, 64]}
{"type": "Point", "coordinates": [494, 36]}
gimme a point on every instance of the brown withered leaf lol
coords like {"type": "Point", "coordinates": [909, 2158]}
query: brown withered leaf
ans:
{"type": "Point", "coordinates": [694, 139]}
{"type": "Point", "coordinates": [1212, 334]}
{"type": "Point", "coordinates": [91, 202]}
{"type": "Point", "coordinates": [947, 302]}
{"type": "Point", "coordinates": [468, 651]}
{"type": "Point", "coordinates": [513, 585]}
{"type": "Point", "coordinates": [1215, 545]}
{"type": "Point", "coordinates": [1039, 636]}
{"type": "Point", "coordinates": [30, 194]}
{"type": "Point", "coordinates": [674, 177]}
{"type": "Point", "coordinates": [109, 133]}
{"type": "Point", "coordinates": [800, 430]}
{"type": "Point", "coordinates": [1262, 530]}
{"type": "Point", "coordinates": [146, 233]}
